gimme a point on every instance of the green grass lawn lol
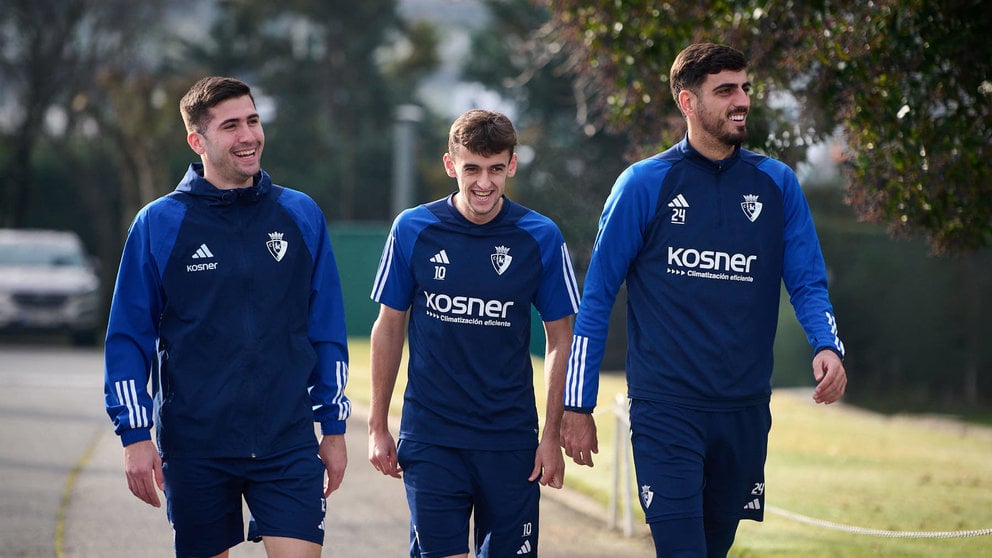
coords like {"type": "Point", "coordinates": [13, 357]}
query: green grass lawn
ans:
{"type": "Point", "coordinates": [834, 463]}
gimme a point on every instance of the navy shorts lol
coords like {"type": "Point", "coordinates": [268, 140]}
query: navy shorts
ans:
{"type": "Point", "coordinates": [285, 494]}
{"type": "Point", "coordinates": [694, 464]}
{"type": "Point", "coordinates": [443, 487]}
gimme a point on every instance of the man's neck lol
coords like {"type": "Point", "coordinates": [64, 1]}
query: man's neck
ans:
{"type": "Point", "coordinates": [710, 147]}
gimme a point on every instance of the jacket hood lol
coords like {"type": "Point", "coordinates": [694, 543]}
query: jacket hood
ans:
{"type": "Point", "coordinates": [194, 184]}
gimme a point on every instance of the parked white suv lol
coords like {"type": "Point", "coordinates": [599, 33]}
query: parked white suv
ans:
{"type": "Point", "coordinates": [48, 284]}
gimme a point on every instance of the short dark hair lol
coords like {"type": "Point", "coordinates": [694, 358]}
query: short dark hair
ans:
{"type": "Point", "coordinates": [484, 132]}
{"type": "Point", "coordinates": [206, 94]}
{"type": "Point", "coordinates": [697, 61]}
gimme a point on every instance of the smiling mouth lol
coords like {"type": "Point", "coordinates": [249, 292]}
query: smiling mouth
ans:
{"type": "Point", "coordinates": [245, 154]}
{"type": "Point", "coordinates": [738, 117]}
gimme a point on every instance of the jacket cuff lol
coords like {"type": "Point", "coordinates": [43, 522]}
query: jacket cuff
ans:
{"type": "Point", "coordinates": [332, 427]}
{"type": "Point", "coordinates": [582, 410]}
{"type": "Point", "coordinates": [134, 435]}
{"type": "Point", "coordinates": [828, 348]}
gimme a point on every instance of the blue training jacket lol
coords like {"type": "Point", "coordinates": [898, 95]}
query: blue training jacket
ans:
{"type": "Point", "coordinates": [704, 248]}
{"type": "Point", "coordinates": [228, 302]}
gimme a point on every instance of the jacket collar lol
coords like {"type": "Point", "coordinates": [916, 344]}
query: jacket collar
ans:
{"type": "Point", "coordinates": [194, 184]}
{"type": "Point", "coordinates": [690, 153]}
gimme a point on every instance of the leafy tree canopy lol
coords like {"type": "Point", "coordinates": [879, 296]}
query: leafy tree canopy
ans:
{"type": "Point", "coordinates": [907, 82]}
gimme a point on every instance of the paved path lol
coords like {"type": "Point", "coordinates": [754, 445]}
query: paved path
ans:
{"type": "Point", "coordinates": [366, 517]}
{"type": "Point", "coordinates": [63, 491]}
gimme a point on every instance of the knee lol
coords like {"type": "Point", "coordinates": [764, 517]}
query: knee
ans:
{"type": "Point", "coordinates": [720, 537]}
{"type": "Point", "coordinates": [679, 538]}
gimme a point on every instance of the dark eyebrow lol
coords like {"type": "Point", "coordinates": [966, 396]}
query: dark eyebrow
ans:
{"type": "Point", "coordinates": [731, 85]}
{"type": "Point", "coordinates": [250, 117]}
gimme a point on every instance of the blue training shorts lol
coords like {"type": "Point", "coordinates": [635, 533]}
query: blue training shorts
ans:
{"type": "Point", "coordinates": [285, 494]}
{"type": "Point", "coordinates": [443, 487]}
{"type": "Point", "coordinates": [693, 464]}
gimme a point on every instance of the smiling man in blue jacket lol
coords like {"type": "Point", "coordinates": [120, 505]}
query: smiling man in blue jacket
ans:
{"type": "Point", "coordinates": [703, 234]}
{"type": "Point", "coordinates": [227, 335]}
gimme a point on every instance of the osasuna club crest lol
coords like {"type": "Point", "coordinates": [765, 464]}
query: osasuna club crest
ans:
{"type": "Point", "coordinates": [751, 206]}
{"type": "Point", "coordinates": [501, 259]}
{"type": "Point", "coordinates": [647, 495]}
{"type": "Point", "coordinates": [276, 245]}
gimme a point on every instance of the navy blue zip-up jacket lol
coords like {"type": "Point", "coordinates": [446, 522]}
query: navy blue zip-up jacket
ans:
{"type": "Point", "coordinates": [704, 248]}
{"type": "Point", "coordinates": [228, 302]}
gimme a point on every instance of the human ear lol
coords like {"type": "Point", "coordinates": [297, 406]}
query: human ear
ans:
{"type": "Point", "coordinates": [511, 168]}
{"type": "Point", "coordinates": [449, 165]}
{"type": "Point", "coordinates": [195, 142]}
{"type": "Point", "coordinates": [686, 100]}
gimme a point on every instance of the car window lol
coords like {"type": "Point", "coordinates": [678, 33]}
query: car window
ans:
{"type": "Point", "coordinates": [29, 254]}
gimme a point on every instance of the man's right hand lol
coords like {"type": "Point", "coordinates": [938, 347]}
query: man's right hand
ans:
{"type": "Point", "coordinates": [578, 437]}
{"type": "Point", "coordinates": [143, 467]}
{"type": "Point", "coordinates": [382, 454]}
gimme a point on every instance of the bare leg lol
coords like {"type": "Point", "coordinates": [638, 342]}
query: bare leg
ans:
{"type": "Point", "coordinates": [285, 547]}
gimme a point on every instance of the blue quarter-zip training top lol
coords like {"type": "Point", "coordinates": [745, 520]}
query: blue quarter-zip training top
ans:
{"type": "Point", "coordinates": [228, 303]}
{"type": "Point", "coordinates": [704, 248]}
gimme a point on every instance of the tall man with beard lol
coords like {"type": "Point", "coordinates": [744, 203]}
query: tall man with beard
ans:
{"type": "Point", "coordinates": [703, 234]}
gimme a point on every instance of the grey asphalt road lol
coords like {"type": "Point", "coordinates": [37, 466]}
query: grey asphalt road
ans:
{"type": "Point", "coordinates": [63, 492]}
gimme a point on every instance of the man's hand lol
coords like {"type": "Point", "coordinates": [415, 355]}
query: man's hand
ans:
{"type": "Point", "coordinates": [549, 465]}
{"type": "Point", "coordinates": [334, 453]}
{"type": "Point", "coordinates": [382, 454]}
{"type": "Point", "coordinates": [831, 378]}
{"type": "Point", "coordinates": [143, 468]}
{"type": "Point", "coordinates": [578, 437]}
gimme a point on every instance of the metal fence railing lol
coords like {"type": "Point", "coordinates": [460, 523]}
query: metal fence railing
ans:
{"type": "Point", "coordinates": [623, 474]}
